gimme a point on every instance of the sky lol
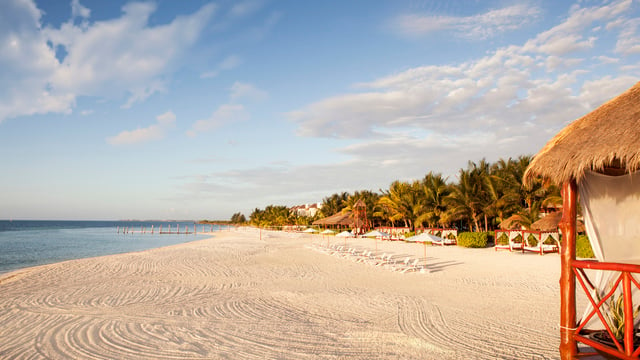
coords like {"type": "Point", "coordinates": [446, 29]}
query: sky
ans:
{"type": "Point", "coordinates": [197, 110]}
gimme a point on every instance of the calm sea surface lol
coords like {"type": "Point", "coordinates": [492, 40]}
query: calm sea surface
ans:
{"type": "Point", "coordinates": [30, 243]}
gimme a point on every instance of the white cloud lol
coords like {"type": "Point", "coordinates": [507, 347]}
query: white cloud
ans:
{"type": "Point", "coordinates": [153, 132]}
{"type": "Point", "coordinates": [536, 83]}
{"type": "Point", "coordinates": [629, 39]}
{"type": "Point", "coordinates": [479, 26]}
{"type": "Point", "coordinates": [233, 111]}
{"type": "Point", "coordinates": [27, 63]}
{"type": "Point", "coordinates": [569, 36]}
{"type": "Point", "coordinates": [77, 10]}
{"type": "Point", "coordinates": [225, 114]}
{"type": "Point", "coordinates": [229, 63]}
{"type": "Point", "coordinates": [107, 58]}
{"type": "Point", "coordinates": [245, 8]}
{"type": "Point", "coordinates": [240, 90]}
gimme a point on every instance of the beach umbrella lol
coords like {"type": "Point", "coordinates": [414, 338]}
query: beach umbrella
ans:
{"type": "Point", "coordinates": [345, 235]}
{"type": "Point", "coordinates": [310, 231]}
{"type": "Point", "coordinates": [377, 234]}
{"type": "Point", "coordinates": [327, 232]}
{"type": "Point", "coordinates": [424, 238]}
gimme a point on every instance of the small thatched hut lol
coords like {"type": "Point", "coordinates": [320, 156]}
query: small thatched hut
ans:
{"type": "Point", "coordinates": [551, 221]}
{"type": "Point", "coordinates": [336, 220]}
{"type": "Point", "coordinates": [598, 156]}
{"type": "Point", "coordinates": [510, 223]}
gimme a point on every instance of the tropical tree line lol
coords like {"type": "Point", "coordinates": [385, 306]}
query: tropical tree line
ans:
{"type": "Point", "coordinates": [481, 197]}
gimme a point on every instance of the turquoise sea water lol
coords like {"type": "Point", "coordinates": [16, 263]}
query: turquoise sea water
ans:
{"type": "Point", "coordinates": [31, 243]}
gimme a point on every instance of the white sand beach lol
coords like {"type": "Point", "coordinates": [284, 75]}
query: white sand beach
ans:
{"type": "Point", "coordinates": [234, 296]}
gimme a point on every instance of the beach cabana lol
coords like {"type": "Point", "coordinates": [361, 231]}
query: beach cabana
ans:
{"type": "Point", "coordinates": [339, 220]}
{"type": "Point", "coordinates": [598, 157]}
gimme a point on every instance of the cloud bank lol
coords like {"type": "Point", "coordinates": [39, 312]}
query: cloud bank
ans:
{"type": "Point", "coordinates": [50, 67]}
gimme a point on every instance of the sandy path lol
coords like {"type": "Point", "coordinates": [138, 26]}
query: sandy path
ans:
{"type": "Point", "coordinates": [236, 296]}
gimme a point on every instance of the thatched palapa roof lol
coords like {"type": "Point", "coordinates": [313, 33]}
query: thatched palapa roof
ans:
{"type": "Point", "coordinates": [510, 223]}
{"type": "Point", "coordinates": [550, 223]}
{"type": "Point", "coordinates": [607, 136]}
{"type": "Point", "coordinates": [343, 219]}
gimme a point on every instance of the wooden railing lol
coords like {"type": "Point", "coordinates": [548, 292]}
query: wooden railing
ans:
{"type": "Point", "coordinates": [624, 349]}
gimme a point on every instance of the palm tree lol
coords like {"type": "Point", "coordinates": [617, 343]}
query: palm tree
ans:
{"type": "Point", "coordinates": [434, 192]}
{"type": "Point", "coordinates": [528, 216]}
{"type": "Point", "coordinates": [334, 204]}
{"type": "Point", "coordinates": [402, 202]}
{"type": "Point", "coordinates": [469, 197]}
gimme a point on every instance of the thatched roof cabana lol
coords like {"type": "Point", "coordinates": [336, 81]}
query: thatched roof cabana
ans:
{"type": "Point", "coordinates": [339, 219]}
{"type": "Point", "coordinates": [606, 137]}
{"type": "Point", "coordinates": [550, 223]}
{"type": "Point", "coordinates": [597, 155]}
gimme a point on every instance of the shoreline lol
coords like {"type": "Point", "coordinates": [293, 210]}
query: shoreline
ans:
{"type": "Point", "coordinates": [5, 276]}
{"type": "Point", "coordinates": [279, 298]}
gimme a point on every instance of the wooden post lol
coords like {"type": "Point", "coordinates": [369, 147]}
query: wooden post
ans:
{"type": "Point", "coordinates": [628, 314]}
{"type": "Point", "coordinates": [568, 347]}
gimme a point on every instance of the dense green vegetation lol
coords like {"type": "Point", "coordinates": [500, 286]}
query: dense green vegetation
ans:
{"type": "Point", "coordinates": [583, 247]}
{"type": "Point", "coordinates": [484, 195]}
{"type": "Point", "coordinates": [473, 239]}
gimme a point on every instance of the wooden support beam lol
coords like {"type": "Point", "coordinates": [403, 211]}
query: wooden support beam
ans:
{"type": "Point", "coordinates": [568, 347]}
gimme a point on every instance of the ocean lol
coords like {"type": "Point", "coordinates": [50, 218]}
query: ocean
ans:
{"type": "Point", "coordinates": [25, 243]}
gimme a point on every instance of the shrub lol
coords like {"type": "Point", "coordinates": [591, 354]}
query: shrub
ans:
{"type": "Point", "coordinates": [472, 239]}
{"type": "Point", "coordinates": [503, 239]}
{"type": "Point", "coordinates": [532, 240]}
{"type": "Point", "coordinates": [517, 239]}
{"type": "Point", "coordinates": [583, 247]}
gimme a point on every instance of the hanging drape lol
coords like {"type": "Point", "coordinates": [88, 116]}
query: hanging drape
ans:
{"type": "Point", "coordinates": [611, 211]}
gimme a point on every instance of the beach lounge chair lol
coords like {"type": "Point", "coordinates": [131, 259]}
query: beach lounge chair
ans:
{"type": "Point", "coordinates": [416, 266]}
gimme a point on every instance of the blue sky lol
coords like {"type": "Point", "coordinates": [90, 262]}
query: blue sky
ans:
{"type": "Point", "coordinates": [197, 109]}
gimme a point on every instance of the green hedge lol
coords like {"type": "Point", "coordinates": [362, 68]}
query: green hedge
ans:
{"type": "Point", "coordinates": [583, 247]}
{"type": "Point", "coordinates": [473, 239]}
{"type": "Point", "coordinates": [503, 239]}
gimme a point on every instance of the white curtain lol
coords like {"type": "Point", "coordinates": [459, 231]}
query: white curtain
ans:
{"type": "Point", "coordinates": [611, 211]}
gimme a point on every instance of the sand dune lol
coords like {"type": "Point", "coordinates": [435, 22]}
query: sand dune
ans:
{"type": "Point", "coordinates": [235, 296]}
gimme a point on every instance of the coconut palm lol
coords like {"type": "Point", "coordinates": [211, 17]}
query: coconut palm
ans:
{"type": "Point", "coordinates": [334, 204]}
{"type": "Point", "coordinates": [434, 191]}
{"type": "Point", "coordinates": [402, 202]}
{"type": "Point", "coordinates": [469, 197]}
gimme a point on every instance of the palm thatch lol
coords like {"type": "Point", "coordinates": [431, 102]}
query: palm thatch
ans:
{"type": "Point", "coordinates": [342, 219]}
{"type": "Point", "coordinates": [550, 223]}
{"type": "Point", "coordinates": [510, 223]}
{"type": "Point", "coordinates": [606, 137]}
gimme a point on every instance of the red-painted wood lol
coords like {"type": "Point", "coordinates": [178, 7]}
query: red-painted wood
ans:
{"type": "Point", "coordinates": [568, 347]}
